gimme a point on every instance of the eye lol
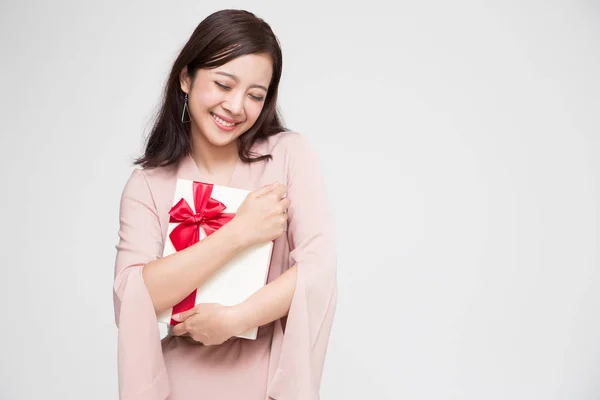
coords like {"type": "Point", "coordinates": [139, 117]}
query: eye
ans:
{"type": "Point", "coordinates": [256, 98]}
{"type": "Point", "coordinates": [224, 87]}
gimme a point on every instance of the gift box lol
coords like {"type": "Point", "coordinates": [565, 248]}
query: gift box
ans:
{"type": "Point", "coordinates": [200, 209]}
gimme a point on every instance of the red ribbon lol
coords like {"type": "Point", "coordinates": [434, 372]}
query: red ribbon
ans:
{"type": "Point", "coordinates": [209, 214]}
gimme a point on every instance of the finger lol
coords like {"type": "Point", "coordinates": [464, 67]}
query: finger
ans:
{"type": "Point", "coordinates": [285, 204]}
{"type": "Point", "coordinates": [180, 329]}
{"type": "Point", "coordinates": [283, 208]}
{"type": "Point", "coordinates": [264, 190]}
{"type": "Point", "coordinates": [184, 315]}
{"type": "Point", "coordinates": [285, 222]}
{"type": "Point", "coordinates": [279, 192]}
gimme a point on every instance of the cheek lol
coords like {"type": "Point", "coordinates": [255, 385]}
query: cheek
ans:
{"type": "Point", "coordinates": [208, 98]}
{"type": "Point", "coordinates": [253, 110]}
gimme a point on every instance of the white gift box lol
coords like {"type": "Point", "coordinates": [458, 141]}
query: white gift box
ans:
{"type": "Point", "coordinates": [239, 278]}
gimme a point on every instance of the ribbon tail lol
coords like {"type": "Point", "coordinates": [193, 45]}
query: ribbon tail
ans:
{"type": "Point", "coordinates": [186, 304]}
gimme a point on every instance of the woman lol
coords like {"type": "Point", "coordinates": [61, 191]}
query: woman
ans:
{"type": "Point", "coordinates": [218, 123]}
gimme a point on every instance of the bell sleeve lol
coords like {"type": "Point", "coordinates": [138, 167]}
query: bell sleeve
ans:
{"type": "Point", "coordinates": [312, 249]}
{"type": "Point", "coordinates": [142, 373]}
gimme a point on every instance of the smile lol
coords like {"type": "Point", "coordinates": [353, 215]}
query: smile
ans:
{"type": "Point", "coordinates": [222, 122]}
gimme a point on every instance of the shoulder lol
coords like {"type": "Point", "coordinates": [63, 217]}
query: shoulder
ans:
{"type": "Point", "coordinates": [145, 181]}
{"type": "Point", "coordinates": [293, 156]}
{"type": "Point", "coordinates": [159, 174]}
{"type": "Point", "coordinates": [287, 145]}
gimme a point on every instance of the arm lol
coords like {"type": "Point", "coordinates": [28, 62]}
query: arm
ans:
{"type": "Point", "coordinates": [312, 249]}
{"type": "Point", "coordinates": [170, 279]}
{"type": "Point", "coordinates": [269, 303]}
{"type": "Point", "coordinates": [142, 372]}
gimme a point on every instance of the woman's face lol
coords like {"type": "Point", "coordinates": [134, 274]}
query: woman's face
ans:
{"type": "Point", "coordinates": [226, 101]}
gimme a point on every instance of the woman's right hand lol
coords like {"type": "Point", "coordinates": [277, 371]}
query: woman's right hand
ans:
{"type": "Point", "coordinates": [262, 216]}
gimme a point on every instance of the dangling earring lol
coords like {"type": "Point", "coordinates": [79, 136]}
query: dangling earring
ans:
{"type": "Point", "coordinates": [185, 107]}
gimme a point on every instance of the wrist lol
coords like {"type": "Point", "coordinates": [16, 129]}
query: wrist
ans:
{"type": "Point", "coordinates": [235, 235]}
{"type": "Point", "coordinates": [238, 318]}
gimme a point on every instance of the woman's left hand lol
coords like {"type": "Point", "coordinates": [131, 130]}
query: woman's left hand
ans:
{"type": "Point", "coordinates": [209, 323]}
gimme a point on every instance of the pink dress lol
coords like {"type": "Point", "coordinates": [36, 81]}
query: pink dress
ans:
{"type": "Point", "coordinates": [286, 361]}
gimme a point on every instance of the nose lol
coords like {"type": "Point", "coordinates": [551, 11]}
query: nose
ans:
{"type": "Point", "coordinates": [234, 103]}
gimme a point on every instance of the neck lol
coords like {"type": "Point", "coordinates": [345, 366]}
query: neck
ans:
{"type": "Point", "coordinates": [213, 159]}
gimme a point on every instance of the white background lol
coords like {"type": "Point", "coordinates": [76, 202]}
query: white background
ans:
{"type": "Point", "coordinates": [460, 141]}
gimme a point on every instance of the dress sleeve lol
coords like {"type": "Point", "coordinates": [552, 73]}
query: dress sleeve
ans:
{"type": "Point", "coordinates": [142, 373]}
{"type": "Point", "coordinates": [312, 249]}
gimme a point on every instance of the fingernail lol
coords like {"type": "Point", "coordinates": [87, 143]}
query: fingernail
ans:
{"type": "Point", "coordinates": [176, 316]}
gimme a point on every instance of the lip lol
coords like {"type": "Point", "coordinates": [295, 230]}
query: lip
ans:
{"type": "Point", "coordinates": [231, 121]}
{"type": "Point", "coordinates": [223, 127]}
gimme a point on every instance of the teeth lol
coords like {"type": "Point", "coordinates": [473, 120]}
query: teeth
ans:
{"type": "Point", "coordinates": [219, 120]}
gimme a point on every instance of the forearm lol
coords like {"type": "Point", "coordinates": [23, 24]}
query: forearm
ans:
{"type": "Point", "coordinates": [269, 303]}
{"type": "Point", "coordinates": [170, 279]}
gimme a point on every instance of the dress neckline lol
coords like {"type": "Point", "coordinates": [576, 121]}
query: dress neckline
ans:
{"type": "Point", "coordinates": [188, 169]}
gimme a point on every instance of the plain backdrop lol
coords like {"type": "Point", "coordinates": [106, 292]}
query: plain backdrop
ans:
{"type": "Point", "coordinates": [460, 143]}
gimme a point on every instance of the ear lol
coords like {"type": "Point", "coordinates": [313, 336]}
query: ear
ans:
{"type": "Point", "coordinates": [184, 80]}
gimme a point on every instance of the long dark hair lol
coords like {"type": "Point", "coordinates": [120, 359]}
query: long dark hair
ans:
{"type": "Point", "coordinates": [218, 39]}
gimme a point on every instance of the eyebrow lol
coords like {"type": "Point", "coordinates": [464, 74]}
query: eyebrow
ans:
{"type": "Point", "coordinates": [235, 78]}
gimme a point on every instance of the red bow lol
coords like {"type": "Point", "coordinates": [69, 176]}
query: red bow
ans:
{"type": "Point", "coordinates": [208, 214]}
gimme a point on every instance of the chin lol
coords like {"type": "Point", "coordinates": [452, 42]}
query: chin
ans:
{"type": "Point", "coordinates": [221, 142]}
{"type": "Point", "coordinates": [218, 138]}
